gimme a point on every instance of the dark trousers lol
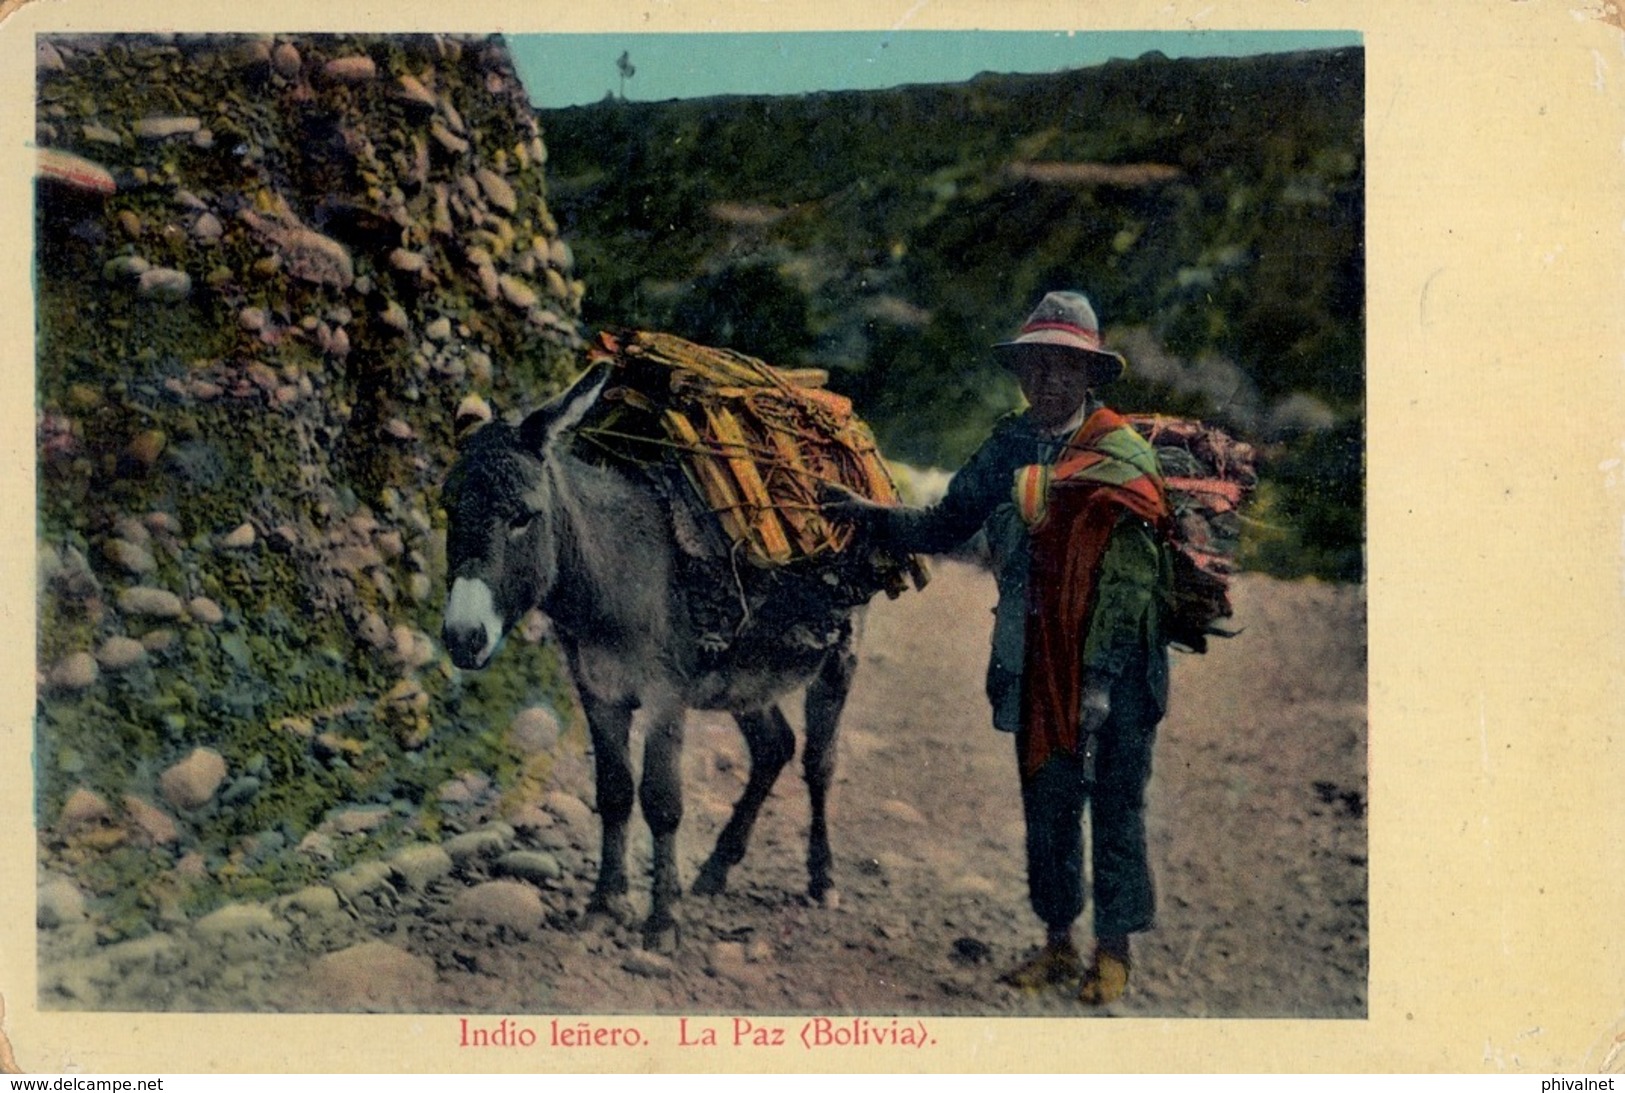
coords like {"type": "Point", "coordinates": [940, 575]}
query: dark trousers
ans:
{"type": "Point", "coordinates": [1053, 800]}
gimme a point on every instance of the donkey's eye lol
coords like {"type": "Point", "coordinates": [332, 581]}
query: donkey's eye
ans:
{"type": "Point", "coordinates": [520, 523]}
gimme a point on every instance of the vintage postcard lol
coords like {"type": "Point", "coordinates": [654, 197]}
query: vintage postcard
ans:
{"type": "Point", "coordinates": [706, 538]}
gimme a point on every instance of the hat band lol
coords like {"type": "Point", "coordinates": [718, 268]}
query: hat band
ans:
{"type": "Point", "coordinates": [1091, 338]}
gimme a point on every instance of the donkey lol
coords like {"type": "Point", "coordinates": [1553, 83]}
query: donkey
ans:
{"type": "Point", "coordinates": [533, 525]}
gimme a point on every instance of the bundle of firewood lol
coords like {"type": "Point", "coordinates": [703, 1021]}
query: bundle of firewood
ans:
{"type": "Point", "coordinates": [756, 443]}
{"type": "Point", "coordinates": [1208, 475]}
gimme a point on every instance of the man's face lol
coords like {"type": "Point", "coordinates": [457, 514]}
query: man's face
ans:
{"type": "Point", "coordinates": [1054, 383]}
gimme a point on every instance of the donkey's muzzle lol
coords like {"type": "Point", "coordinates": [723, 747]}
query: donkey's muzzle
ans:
{"type": "Point", "coordinates": [468, 646]}
{"type": "Point", "coordinates": [472, 625]}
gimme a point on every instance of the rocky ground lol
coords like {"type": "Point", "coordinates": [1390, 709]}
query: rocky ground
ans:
{"type": "Point", "coordinates": [1258, 837]}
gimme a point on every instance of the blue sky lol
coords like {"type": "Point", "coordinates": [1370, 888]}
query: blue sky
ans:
{"type": "Point", "coordinates": [572, 69]}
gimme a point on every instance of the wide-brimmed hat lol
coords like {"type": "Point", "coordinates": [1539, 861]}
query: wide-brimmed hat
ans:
{"type": "Point", "coordinates": [1064, 321]}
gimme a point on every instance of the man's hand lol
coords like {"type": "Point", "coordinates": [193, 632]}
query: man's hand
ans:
{"type": "Point", "coordinates": [839, 503]}
{"type": "Point", "coordinates": [1093, 709]}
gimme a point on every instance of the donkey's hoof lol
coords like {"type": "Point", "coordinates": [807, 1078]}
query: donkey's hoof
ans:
{"type": "Point", "coordinates": [712, 881]}
{"type": "Point", "coordinates": [822, 891]}
{"type": "Point", "coordinates": [610, 908]}
{"type": "Point", "coordinates": [660, 937]}
{"type": "Point", "coordinates": [828, 898]}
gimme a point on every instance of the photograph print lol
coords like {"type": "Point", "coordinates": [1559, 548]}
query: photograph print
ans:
{"type": "Point", "coordinates": [861, 526]}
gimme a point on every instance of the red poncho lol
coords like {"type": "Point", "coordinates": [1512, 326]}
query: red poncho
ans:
{"type": "Point", "coordinates": [1072, 508]}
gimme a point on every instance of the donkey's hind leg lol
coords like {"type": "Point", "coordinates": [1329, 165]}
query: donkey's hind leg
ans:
{"type": "Point", "coordinates": [772, 743]}
{"type": "Point", "coordinates": [661, 795]}
{"type": "Point", "coordinates": [826, 697]}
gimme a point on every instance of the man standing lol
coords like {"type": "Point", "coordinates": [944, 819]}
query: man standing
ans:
{"type": "Point", "coordinates": [1074, 509]}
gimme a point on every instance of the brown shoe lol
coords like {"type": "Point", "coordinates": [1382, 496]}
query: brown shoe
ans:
{"type": "Point", "coordinates": [1056, 962]}
{"type": "Point", "coordinates": [1105, 981]}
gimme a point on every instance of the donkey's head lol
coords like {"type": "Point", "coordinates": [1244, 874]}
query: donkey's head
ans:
{"type": "Point", "coordinates": [503, 510]}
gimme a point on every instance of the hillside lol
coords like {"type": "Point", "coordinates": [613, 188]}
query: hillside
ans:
{"type": "Point", "coordinates": [1213, 209]}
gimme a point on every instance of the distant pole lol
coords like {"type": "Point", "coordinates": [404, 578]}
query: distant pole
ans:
{"type": "Point", "coordinates": [624, 63]}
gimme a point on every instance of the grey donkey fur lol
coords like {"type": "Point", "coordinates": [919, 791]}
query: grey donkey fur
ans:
{"type": "Point", "coordinates": [532, 525]}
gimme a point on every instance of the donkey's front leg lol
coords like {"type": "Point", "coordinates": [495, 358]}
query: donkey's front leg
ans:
{"type": "Point", "coordinates": [661, 795]}
{"type": "Point", "coordinates": [612, 766]}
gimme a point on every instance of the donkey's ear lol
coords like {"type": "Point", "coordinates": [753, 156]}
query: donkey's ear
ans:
{"type": "Point", "coordinates": [544, 427]}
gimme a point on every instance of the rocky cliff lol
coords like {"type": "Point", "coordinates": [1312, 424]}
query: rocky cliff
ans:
{"type": "Point", "coordinates": [275, 276]}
